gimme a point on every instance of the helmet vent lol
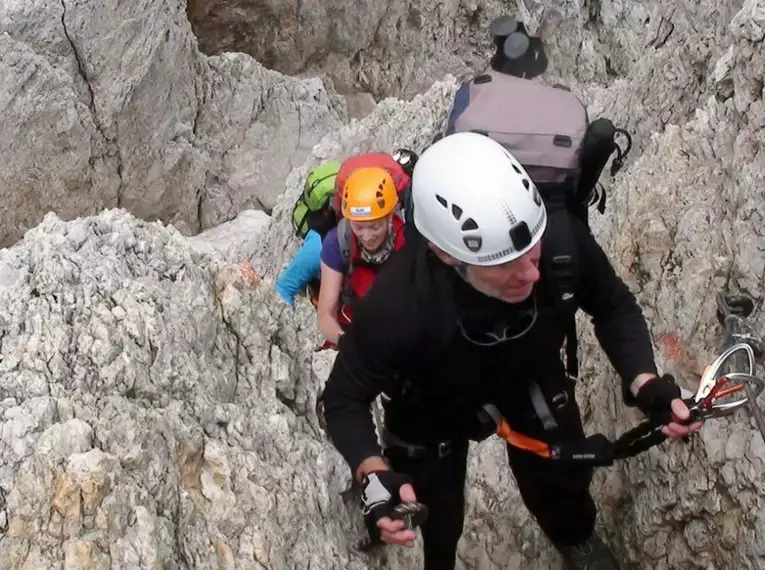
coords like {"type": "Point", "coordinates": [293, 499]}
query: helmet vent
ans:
{"type": "Point", "coordinates": [526, 183]}
{"type": "Point", "coordinates": [469, 225]}
{"type": "Point", "coordinates": [442, 201]}
{"type": "Point", "coordinates": [515, 167]}
{"type": "Point", "coordinates": [456, 212]}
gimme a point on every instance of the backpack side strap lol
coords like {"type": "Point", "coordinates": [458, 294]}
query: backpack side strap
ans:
{"type": "Point", "coordinates": [560, 264]}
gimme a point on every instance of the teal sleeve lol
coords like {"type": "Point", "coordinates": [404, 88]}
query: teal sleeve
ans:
{"type": "Point", "coordinates": [302, 269]}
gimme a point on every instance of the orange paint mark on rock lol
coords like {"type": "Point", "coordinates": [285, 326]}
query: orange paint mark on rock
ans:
{"type": "Point", "coordinates": [672, 346]}
{"type": "Point", "coordinates": [676, 354]}
{"type": "Point", "coordinates": [249, 273]}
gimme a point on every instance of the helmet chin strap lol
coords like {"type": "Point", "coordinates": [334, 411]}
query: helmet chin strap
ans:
{"type": "Point", "coordinates": [497, 328]}
{"type": "Point", "coordinates": [462, 271]}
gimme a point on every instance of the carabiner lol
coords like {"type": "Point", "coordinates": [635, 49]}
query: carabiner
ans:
{"type": "Point", "coordinates": [712, 386]}
{"type": "Point", "coordinates": [721, 409]}
{"type": "Point", "coordinates": [710, 377]}
{"type": "Point", "coordinates": [413, 514]}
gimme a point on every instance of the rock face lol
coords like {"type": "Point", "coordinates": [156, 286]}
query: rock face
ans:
{"type": "Point", "coordinates": [400, 48]}
{"type": "Point", "coordinates": [384, 48]}
{"type": "Point", "coordinates": [113, 105]}
{"type": "Point", "coordinates": [158, 408]}
{"type": "Point", "coordinates": [234, 240]}
{"type": "Point", "coordinates": [153, 411]}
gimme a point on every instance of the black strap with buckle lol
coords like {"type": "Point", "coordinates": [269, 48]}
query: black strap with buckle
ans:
{"type": "Point", "coordinates": [396, 447]}
{"type": "Point", "coordinates": [561, 267]}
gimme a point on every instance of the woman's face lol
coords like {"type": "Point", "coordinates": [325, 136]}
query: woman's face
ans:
{"type": "Point", "coordinates": [371, 234]}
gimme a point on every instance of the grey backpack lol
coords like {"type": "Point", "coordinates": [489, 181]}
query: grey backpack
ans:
{"type": "Point", "coordinates": [546, 127]}
{"type": "Point", "coordinates": [542, 126]}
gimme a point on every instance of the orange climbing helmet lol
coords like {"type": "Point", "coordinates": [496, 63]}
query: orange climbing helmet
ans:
{"type": "Point", "coordinates": [369, 194]}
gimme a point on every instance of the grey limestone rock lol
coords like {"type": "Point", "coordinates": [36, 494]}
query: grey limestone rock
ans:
{"type": "Point", "coordinates": [111, 104]}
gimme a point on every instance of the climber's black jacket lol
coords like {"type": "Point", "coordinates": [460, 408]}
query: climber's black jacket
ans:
{"type": "Point", "coordinates": [405, 341]}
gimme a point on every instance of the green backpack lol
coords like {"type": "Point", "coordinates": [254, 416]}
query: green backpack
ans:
{"type": "Point", "coordinates": [313, 208]}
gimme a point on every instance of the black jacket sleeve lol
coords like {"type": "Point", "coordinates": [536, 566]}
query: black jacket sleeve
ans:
{"type": "Point", "coordinates": [385, 336]}
{"type": "Point", "coordinates": [620, 326]}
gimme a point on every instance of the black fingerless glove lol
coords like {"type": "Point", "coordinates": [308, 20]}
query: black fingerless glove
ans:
{"type": "Point", "coordinates": [655, 397]}
{"type": "Point", "coordinates": [380, 492]}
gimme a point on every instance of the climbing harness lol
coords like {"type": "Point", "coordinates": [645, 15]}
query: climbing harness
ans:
{"type": "Point", "coordinates": [712, 400]}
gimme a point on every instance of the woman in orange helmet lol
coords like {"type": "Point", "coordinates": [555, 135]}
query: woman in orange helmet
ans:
{"type": "Point", "coordinates": [354, 251]}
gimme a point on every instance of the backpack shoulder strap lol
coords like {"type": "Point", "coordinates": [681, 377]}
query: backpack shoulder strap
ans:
{"type": "Point", "coordinates": [460, 103]}
{"type": "Point", "coordinates": [561, 265]}
{"type": "Point", "coordinates": [344, 238]}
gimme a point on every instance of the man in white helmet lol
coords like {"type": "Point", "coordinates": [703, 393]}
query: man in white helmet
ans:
{"type": "Point", "coordinates": [466, 318]}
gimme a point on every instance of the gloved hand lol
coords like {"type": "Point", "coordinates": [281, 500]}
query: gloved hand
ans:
{"type": "Point", "coordinates": [655, 397]}
{"type": "Point", "coordinates": [380, 492]}
{"type": "Point", "coordinates": [661, 399]}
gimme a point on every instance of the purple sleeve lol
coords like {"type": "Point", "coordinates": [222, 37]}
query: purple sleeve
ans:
{"type": "Point", "coordinates": [330, 251]}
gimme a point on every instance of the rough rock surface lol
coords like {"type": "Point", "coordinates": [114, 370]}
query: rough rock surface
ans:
{"type": "Point", "coordinates": [400, 48]}
{"type": "Point", "coordinates": [234, 240]}
{"type": "Point", "coordinates": [384, 48]}
{"type": "Point", "coordinates": [112, 104]}
{"type": "Point", "coordinates": [153, 413]}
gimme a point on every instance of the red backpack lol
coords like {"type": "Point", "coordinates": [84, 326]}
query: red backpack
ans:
{"type": "Point", "coordinates": [370, 159]}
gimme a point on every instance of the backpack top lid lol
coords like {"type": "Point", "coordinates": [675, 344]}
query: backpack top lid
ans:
{"type": "Point", "coordinates": [543, 126]}
{"type": "Point", "coordinates": [320, 183]}
{"type": "Point", "coordinates": [369, 159]}
{"type": "Point", "coordinates": [312, 207]}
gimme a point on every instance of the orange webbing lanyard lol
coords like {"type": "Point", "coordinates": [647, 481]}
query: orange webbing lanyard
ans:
{"type": "Point", "coordinates": [522, 441]}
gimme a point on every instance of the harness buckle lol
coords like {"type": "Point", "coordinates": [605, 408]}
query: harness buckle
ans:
{"type": "Point", "coordinates": [560, 400]}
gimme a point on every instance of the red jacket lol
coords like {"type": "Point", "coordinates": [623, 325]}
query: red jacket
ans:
{"type": "Point", "coordinates": [360, 274]}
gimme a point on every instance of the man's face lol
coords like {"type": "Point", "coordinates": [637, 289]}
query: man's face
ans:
{"type": "Point", "coordinates": [511, 282]}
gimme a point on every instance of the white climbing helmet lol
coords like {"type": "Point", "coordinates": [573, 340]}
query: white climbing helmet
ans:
{"type": "Point", "coordinates": [475, 201]}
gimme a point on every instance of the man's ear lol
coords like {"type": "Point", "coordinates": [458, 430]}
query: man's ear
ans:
{"type": "Point", "coordinates": [443, 256]}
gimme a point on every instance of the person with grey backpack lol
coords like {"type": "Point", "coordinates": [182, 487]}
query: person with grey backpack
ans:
{"type": "Point", "coordinates": [462, 331]}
